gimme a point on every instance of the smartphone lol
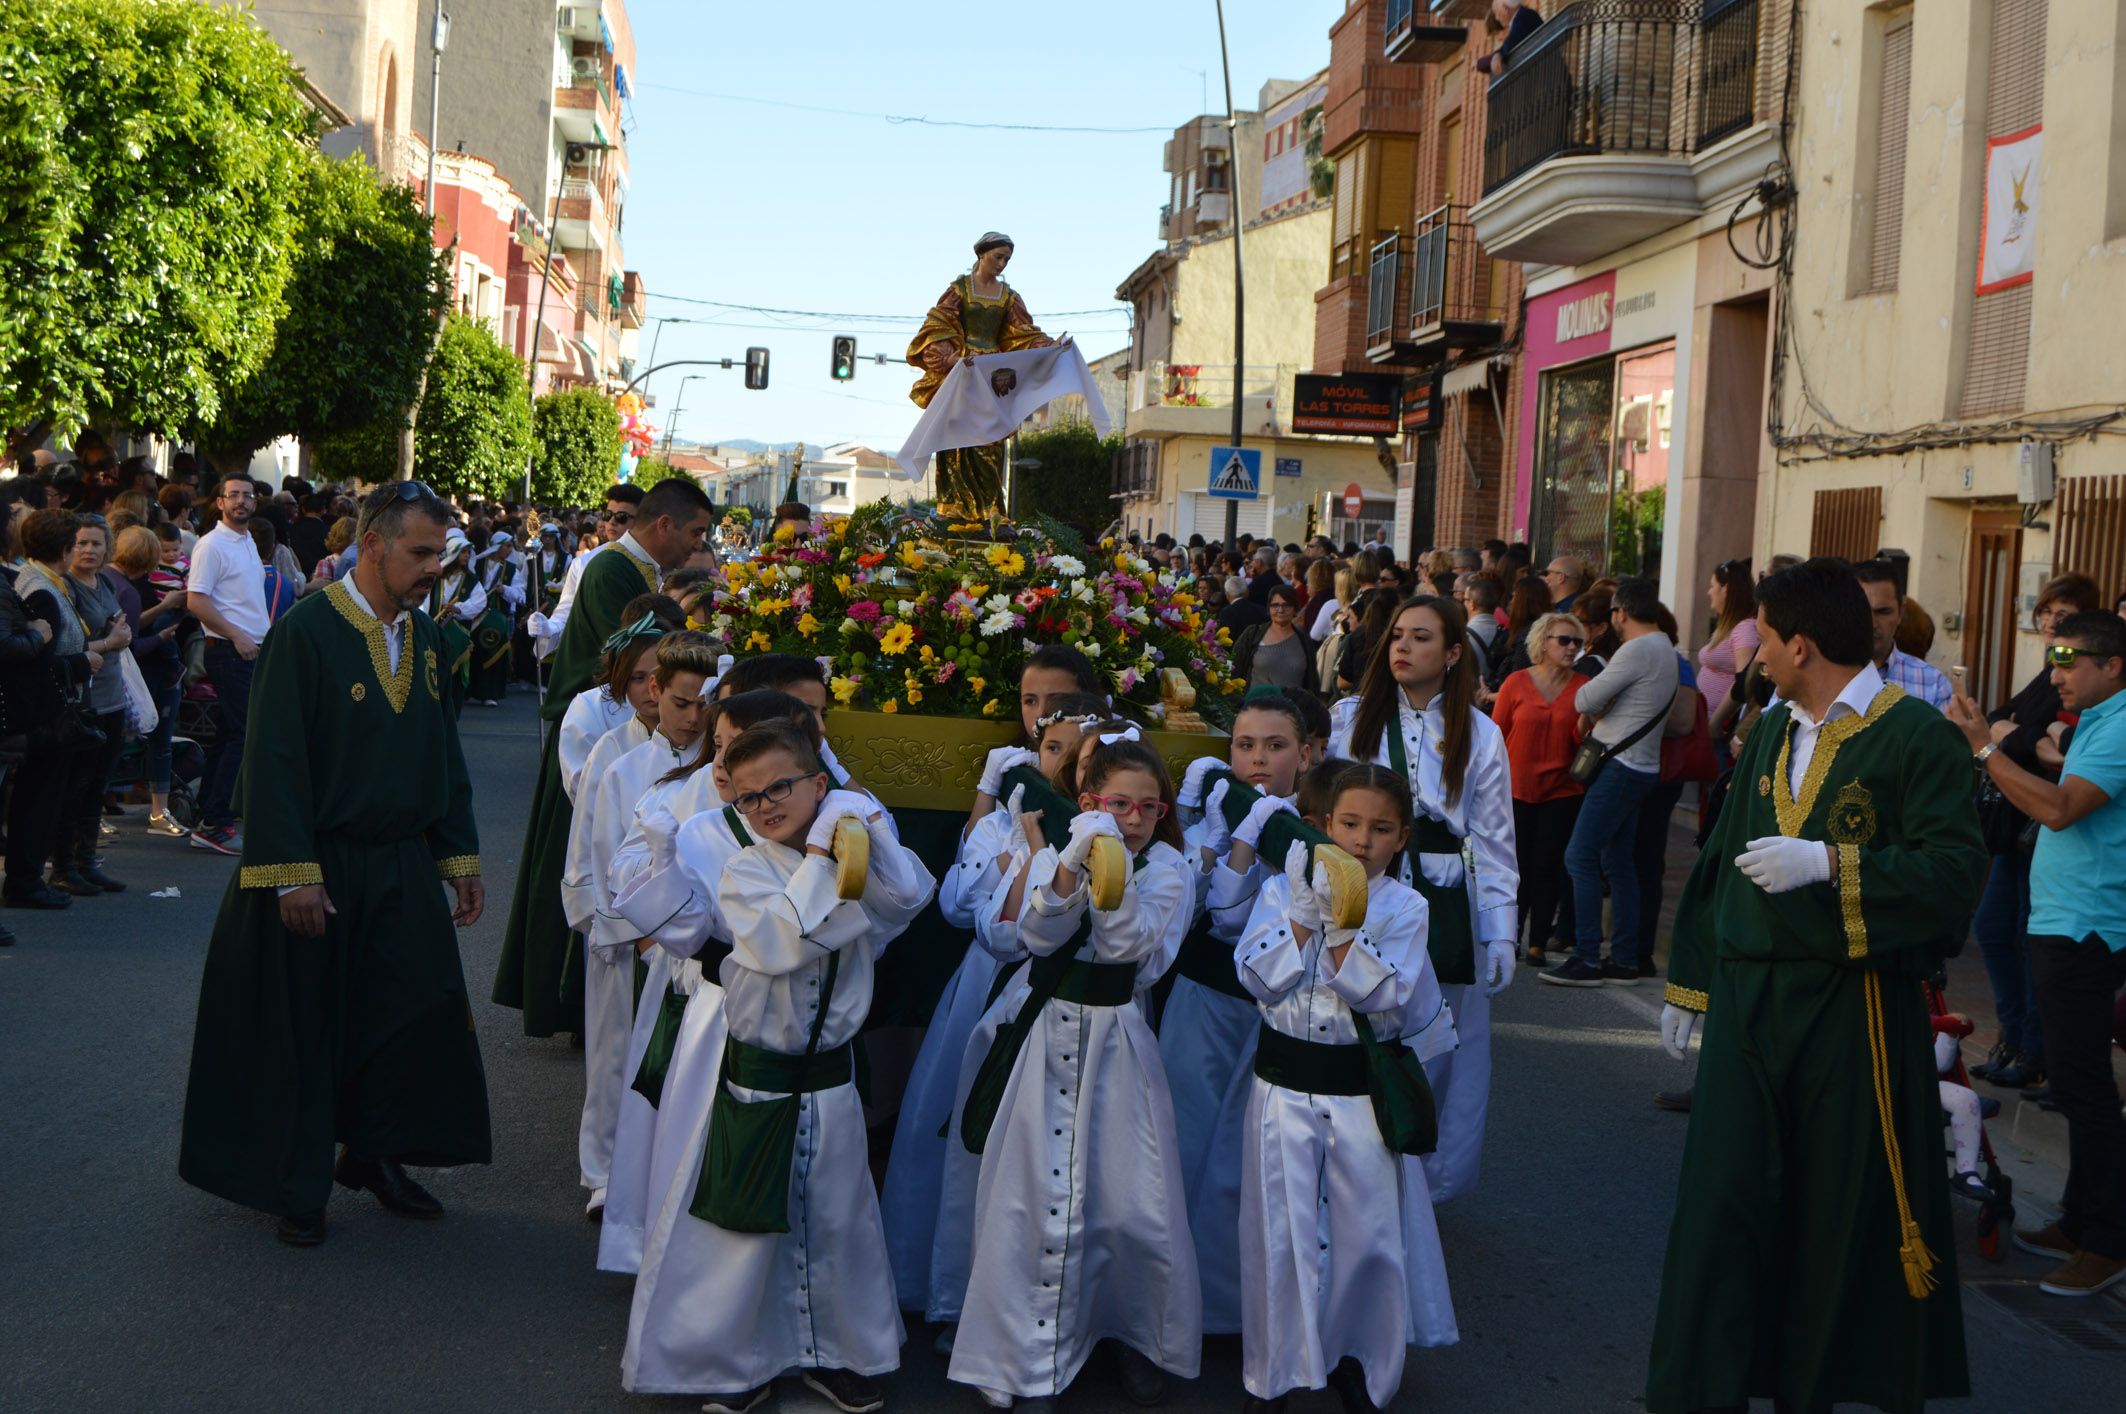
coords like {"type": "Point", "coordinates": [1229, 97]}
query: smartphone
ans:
{"type": "Point", "coordinates": [1958, 680]}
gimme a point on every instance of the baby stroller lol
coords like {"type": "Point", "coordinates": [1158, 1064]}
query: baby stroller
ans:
{"type": "Point", "coordinates": [188, 767]}
{"type": "Point", "coordinates": [1996, 1211]}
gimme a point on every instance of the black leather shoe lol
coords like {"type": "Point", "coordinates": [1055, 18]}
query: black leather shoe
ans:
{"type": "Point", "coordinates": [7, 939]}
{"type": "Point", "coordinates": [42, 896]}
{"type": "Point", "coordinates": [1677, 1100]}
{"type": "Point", "coordinates": [73, 882]}
{"type": "Point", "coordinates": [100, 879]}
{"type": "Point", "coordinates": [1348, 1379]}
{"type": "Point", "coordinates": [1142, 1381]}
{"type": "Point", "coordinates": [398, 1193]}
{"type": "Point", "coordinates": [302, 1229]}
{"type": "Point", "coordinates": [2020, 1075]}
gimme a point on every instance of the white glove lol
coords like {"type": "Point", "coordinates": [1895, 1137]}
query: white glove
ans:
{"type": "Point", "coordinates": [1000, 760]}
{"type": "Point", "coordinates": [1015, 806]}
{"type": "Point", "coordinates": [838, 805]}
{"type": "Point", "coordinates": [1780, 865]}
{"type": "Point", "coordinates": [661, 829]}
{"type": "Point", "coordinates": [826, 758]}
{"type": "Point", "coordinates": [1192, 780]}
{"type": "Point", "coordinates": [1084, 828]}
{"type": "Point", "coordinates": [1498, 968]}
{"type": "Point", "coordinates": [1676, 1025]}
{"type": "Point", "coordinates": [1306, 899]}
{"type": "Point", "coordinates": [1217, 835]}
{"type": "Point", "coordinates": [1249, 831]}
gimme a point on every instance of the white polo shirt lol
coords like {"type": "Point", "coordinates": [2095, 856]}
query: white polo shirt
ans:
{"type": "Point", "coordinates": [227, 570]}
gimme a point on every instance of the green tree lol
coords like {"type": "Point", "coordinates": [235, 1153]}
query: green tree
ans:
{"type": "Point", "coordinates": [475, 426]}
{"type": "Point", "coordinates": [578, 447]}
{"type": "Point", "coordinates": [1075, 477]}
{"type": "Point", "coordinates": [154, 159]}
{"type": "Point", "coordinates": [369, 453]}
{"type": "Point", "coordinates": [651, 470]}
{"type": "Point", "coordinates": [369, 286]}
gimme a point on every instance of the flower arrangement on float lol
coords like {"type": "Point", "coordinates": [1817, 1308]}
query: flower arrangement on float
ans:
{"type": "Point", "coordinates": [915, 614]}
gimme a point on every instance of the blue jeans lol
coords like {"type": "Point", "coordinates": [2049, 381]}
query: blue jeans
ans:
{"type": "Point", "coordinates": [1604, 844]}
{"type": "Point", "coordinates": [230, 672]}
{"type": "Point", "coordinates": [2001, 926]}
{"type": "Point", "coordinates": [157, 745]}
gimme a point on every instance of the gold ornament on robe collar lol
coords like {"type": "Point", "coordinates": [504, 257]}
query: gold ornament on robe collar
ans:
{"type": "Point", "coordinates": [398, 684]}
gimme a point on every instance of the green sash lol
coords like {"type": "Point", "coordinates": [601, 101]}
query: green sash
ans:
{"type": "Point", "coordinates": [1311, 1067]}
{"type": "Point", "coordinates": [664, 1033]}
{"type": "Point", "coordinates": [1452, 940]}
{"type": "Point", "coordinates": [745, 1166]}
{"type": "Point", "coordinates": [1388, 1071]}
{"type": "Point", "coordinates": [1062, 975]}
{"type": "Point", "coordinates": [1203, 959]}
{"type": "Point", "coordinates": [1209, 963]}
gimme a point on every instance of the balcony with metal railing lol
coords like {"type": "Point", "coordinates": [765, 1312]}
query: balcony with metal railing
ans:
{"type": "Point", "coordinates": [580, 217]}
{"type": "Point", "coordinates": [1180, 399]}
{"type": "Point", "coordinates": [1419, 34]}
{"type": "Point", "coordinates": [1616, 120]}
{"type": "Point", "coordinates": [1387, 295]}
{"type": "Point", "coordinates": [1136, 472]}
{"type": "Point", "coordinates": [1450, 286]}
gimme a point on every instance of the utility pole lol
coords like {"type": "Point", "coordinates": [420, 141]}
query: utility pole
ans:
{"type": "Point", "coordinates": [1232, 127]}
{"type": "Point", "coordinates": [439, 40]}
{"type": "Point", "coordinates": [678, 400]}
{"type": "Point", "coordinates": [575, 152]}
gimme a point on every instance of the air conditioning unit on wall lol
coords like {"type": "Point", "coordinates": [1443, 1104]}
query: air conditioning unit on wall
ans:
{"type": "Point", "coordinates": [567, 18]}
{"type": "Point", "coordinates": [584, 66]}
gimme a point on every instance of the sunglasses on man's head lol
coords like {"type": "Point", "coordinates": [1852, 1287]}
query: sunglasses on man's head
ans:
{"type": "Point", "coordinates": [411, 491]}
{"type": "Point", "coordinates": [2066, 655]}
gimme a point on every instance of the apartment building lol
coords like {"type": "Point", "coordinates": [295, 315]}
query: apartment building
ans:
{"type": "Point", "coordinates": [1953, 381]}
{"type": "Point", "coordinates": [536, 91]}
{"type": "Point", "coordinates": [361, 56]}
{"type": "Point", "coordinates": [1179, 371]}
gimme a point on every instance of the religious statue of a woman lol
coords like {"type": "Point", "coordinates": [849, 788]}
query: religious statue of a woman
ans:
{"type": "Point", "coordinates": [977, 314]}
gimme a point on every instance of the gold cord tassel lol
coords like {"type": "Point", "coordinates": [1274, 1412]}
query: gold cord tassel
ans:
{"type": "Point", "coordinates": [1913, 1252]}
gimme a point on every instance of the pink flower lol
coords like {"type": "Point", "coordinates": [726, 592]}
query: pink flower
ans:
{"type": "Point", "coordinates": [865, 611]}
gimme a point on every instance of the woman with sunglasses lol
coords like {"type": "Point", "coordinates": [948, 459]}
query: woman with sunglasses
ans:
{"type": "Point", "coordinates": [1540, 720]}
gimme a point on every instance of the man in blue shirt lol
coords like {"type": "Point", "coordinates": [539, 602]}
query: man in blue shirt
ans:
{"type": "Point", "coordinates": [2078, 939]}
{"type": "Point", "coordinates": [1886, 608]}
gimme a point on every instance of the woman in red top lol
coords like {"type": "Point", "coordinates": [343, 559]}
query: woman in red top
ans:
{"type": "Point", "coordinates": [1536, 713]}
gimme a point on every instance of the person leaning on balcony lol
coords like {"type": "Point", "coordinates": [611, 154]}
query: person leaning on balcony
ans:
{"type": "Point", "coordinates": [1516, 19]}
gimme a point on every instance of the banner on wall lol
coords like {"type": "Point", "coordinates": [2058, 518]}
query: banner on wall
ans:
{"type": "Point", "coordinates": [2007, 232]}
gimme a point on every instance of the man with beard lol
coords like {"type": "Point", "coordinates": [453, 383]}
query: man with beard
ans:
{"type": "Point", "coordinates": [333, 1005]}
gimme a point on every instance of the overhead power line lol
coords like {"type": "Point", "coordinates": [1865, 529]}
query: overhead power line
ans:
{"type": "Point", "coordinates": [844, 316]}
{"type": "Point", "coordinates": [904, 119]}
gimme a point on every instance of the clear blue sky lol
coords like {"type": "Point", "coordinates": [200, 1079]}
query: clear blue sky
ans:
{"type": "Point", "coordinates": [772, 206]}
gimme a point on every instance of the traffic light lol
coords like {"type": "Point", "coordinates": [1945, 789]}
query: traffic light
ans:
{"type": "Point", "coordinates": [844, 358]}
{"type": "Point", "coordinates": [756, 368]}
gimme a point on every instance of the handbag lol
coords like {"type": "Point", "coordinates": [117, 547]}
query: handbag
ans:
{"type": "Point", "coordinates": [1401, 1093]}
{"type": "Point", "coordinates": [1690, 757]}
{"type": "Point", "coordinates": [745, 1166]}
{"type": "Point", "coordinates": [1592, 756]}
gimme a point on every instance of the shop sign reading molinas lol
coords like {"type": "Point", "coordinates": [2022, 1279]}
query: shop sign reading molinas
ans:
{"type": "Point", "coordinates": [1364, 403]}
{"type": "Point", "coordinates": [1584, 317]}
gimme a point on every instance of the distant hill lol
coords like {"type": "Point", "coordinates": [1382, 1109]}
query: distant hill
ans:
{"type": "Point", "coordinates": [749, 445]}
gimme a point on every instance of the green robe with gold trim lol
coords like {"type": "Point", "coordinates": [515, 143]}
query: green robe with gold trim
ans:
{"type": "Point", "coordinates": [352, 777]}
{"type": "Point", "coordinates": [541, 968]}
{"type": "Point", "coordinates": [1786, 1273]}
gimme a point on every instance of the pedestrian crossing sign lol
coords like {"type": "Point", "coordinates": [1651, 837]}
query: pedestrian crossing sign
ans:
{"type": "Point", "coordinates": [1236, 473]}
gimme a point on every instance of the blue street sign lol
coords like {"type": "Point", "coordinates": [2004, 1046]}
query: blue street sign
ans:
{"type": "Point", "coordinates": [1236, 473]}
{"type": "Point", "coordinates": [1288, 466]}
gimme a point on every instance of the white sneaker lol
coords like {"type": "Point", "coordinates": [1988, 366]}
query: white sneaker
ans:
{"type": "Point", "coordinates": [161, 824]}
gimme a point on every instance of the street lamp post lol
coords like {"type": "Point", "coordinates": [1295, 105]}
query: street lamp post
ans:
{"type": "Point", "coordinates": [439, 40]}
{"type": "Point", "coordinates": [1232, 125]}
{"type": "Point", "coordinates": [678, 399]}
{"type": "Point", "coordinates": [574, 152]}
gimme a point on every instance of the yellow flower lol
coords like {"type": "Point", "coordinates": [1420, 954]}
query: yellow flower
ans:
{"type": "Point", "coordinates": [910, 556]}
{"type": "Point", "coordinates": [1013, 563]}
{"type": "Point", "coordinates": [991, 707]}
{"type": "Point", "coordinates": [807, 625]}
{"type": "Point", "coordinates": [980, 685]}
{"type": "Point", "coordinates": [927, 653]}
{"type": "Point", "coordinates": [897, 639]}
{"type": "Point", "coordinates": [759, 642]}
{"type": "Point", "coordinates": [889, 706]}
{"type": "Point", "coordinates": [914, 693]}
{"type": "Point", "coordinates": [1232, 685]}
{"type": "Point", "coordinates": [786, 532]}
{"type": "Point", "coordinates": [1225, 638]}
{"type": "Point", "coordinates": [845, 584]}
{"type": "Point", "coordinates": [845, 690]}
{"type": "Point", "coordinates": [695, 623]}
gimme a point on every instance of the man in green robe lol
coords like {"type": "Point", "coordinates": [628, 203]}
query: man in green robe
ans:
{"type": "Point", "coordinates": [333, 1006]}
{"type": "Point", "coordinates": [1811, 1258]}
{"type": "Point", "coordinates": [540, 974]}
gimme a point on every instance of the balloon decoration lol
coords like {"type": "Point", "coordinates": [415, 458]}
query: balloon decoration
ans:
{"type": "Point", "coordinates": [636, 434]}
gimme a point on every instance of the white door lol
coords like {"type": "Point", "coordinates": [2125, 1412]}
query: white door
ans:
{"type": "Point", "coordinates": [1205, 515]}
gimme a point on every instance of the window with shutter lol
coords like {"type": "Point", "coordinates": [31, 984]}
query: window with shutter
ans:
{"type": "Point", "coordinates": [1846, 523]}
{"type": "Point", "coordinates": [1999, 344]}
{"type": "Point", "coordinates": [2092, 529]}
{"type": "Point", "coordinates": [1893, 128]}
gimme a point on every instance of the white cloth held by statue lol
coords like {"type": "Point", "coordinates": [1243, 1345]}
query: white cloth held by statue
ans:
{"type": "Point", "coordinates": [969, 412]}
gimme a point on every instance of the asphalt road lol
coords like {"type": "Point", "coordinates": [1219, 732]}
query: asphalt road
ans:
{"type": "Point", "coordinates": [123, 1289]}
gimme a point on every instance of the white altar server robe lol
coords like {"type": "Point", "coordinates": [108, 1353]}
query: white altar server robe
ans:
{"type": "Point", "coordinates": [589, 717]}
{"type": "Point", "coordinates": [914, 1187]}
{"type": "Point", "coordinates": [1483, 815]}
{"type": "Point", "coordinates": [725, 1311]}
{"type": "Point", "coordinates": [1080, 1223]}
{"type": "Point", "coordinates": [1339, 1252]}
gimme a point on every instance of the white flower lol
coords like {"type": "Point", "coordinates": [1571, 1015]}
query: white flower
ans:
{"type": "Point", "coordinates": [1090, 648]}
{"type": "Point", "coordinates": [997, 603]}
{"type": "Point", "coordinates": [1082, 591]}
{"type": "Point", "coordinates": [1137, 615]}
{"type": "Point", "coordinates": [722, 623]}
{"type": "Point", "coordinates": [905, 609]}
{"type": "Point", "coordinates": [1069, 566]}
{"type": "Point", "coordinates": [851, 626]}
{"type": "Point", "coordinates": [996, 623]}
